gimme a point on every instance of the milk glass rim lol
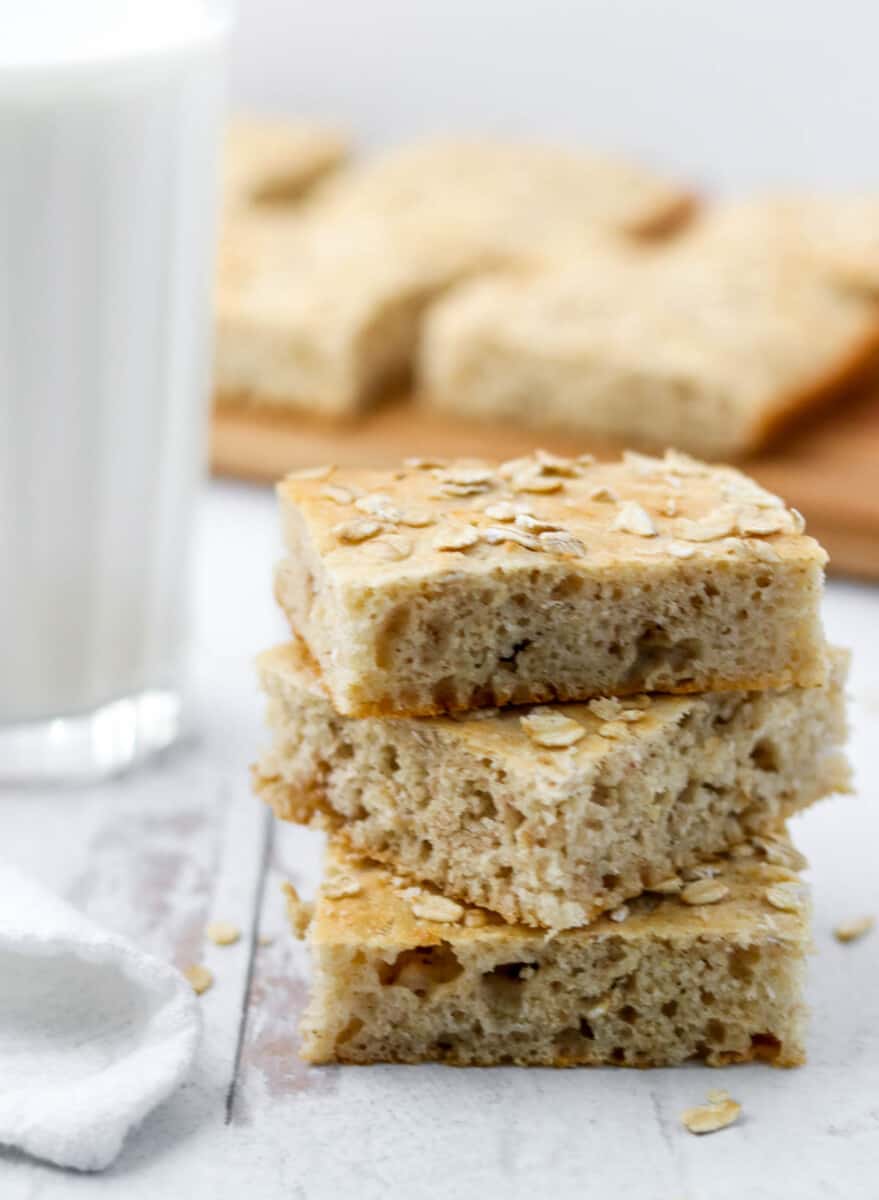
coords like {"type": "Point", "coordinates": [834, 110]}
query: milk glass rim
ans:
{"type": "Point", "coordinates": [210, 31]}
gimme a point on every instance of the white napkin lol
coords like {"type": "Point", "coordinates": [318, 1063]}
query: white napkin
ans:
{"type": "Point", "coordinates": [93, 1032]}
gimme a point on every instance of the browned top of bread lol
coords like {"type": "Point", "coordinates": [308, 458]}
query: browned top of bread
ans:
{"type": "Point", "coordinates": [361, 904]}
{"type": "Point", "coordinates": [472, 517]}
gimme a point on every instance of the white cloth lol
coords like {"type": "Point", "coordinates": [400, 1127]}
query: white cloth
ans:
{"type": "Point", "coordinates": [93, 1032]}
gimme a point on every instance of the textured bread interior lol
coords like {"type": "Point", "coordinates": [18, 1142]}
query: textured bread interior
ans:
{"type": "Point", "coordinates": [518, 635]}
{"type": "Point", "coordinates": [502, 624]}
{"type": "Point", "coordinates": [721, 982]}
{"type": "Point", "coordinates": [549, 836]}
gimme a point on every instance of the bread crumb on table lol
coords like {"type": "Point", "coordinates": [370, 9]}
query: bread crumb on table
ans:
{"type": "Point", "coordinates": [299, 912]}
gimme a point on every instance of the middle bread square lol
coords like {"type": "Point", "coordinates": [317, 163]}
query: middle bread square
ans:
{"type": "Point", "coordinates": [551, 815]}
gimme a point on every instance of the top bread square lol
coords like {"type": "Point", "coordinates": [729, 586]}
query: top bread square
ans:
{"type": "Point", "coordinates": [711, 343]}
{"type": "Point", "coordinates": [445, 587]}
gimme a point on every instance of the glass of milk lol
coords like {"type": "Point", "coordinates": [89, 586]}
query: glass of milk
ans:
{"type": "Point", "coordinates": [110, 118]}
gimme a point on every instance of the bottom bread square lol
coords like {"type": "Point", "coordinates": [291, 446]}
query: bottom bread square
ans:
{"type": "Point", "coordinates": [711, 967]}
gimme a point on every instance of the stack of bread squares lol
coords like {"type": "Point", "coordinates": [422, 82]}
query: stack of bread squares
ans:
{"type": "Point", "coordinates": [553, 714]}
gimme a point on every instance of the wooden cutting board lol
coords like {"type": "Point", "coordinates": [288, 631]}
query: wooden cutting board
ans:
{"type": "Point", "coordinates": [828, 467]}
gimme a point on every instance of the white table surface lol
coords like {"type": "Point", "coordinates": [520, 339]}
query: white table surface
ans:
{"type": "Point", "coordinates": [159, 853]}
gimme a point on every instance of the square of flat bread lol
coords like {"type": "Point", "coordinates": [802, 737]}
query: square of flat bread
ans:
{"type": "Point", "coordinates": [698, 346]}
{"type": "Point", "coordinates": [450, 586]}
{"type": "Point", "coordinates": [403, 974]}
{"type": "Point", "coordinates": [513, 194]}
{"type": "Point", "coordinates": [324, 317]}
{"type": "Point", "coordinates": [550, 816]}
{"type": "Point", "coordinates": [275, 161]}
{"type": "Point", "coordinates": [838, 233]}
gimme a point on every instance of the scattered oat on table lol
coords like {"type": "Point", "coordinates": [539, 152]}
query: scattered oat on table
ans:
{"type": "Point", "coordinates": [199, 977]}
{"type": "Point", "coordinates": [223, 933]}
{"type": "Point", "coordinates": [708, 1118]}
{"type": "Point", "coordinates": [850, 931]}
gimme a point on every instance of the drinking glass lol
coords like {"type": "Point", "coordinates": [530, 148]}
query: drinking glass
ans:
{"type": "Point", "coordinates": [110, 120]}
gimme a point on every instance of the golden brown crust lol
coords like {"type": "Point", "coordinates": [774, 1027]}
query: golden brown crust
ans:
{"type": "Point", "coordinates": [379, 913]}
{"type": "Point", "coordinates": [555, 695]}
{"type": "Point", "coordinates": [584, 498]}
{"type": "Point", "coordinates": [789, 1058]}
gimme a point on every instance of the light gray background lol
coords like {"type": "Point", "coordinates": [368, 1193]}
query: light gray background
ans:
{"type": "Point", "coordinates": [732, 95]}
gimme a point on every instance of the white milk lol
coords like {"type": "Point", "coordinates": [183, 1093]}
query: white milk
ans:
{"type": "Point", "coordinates": [110, 112]}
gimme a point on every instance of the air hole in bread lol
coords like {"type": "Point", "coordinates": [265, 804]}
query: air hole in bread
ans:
{"type": "Point", "coordinates": [422, 969]}
{"type": "Point", "coordinates": [764, 755]}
